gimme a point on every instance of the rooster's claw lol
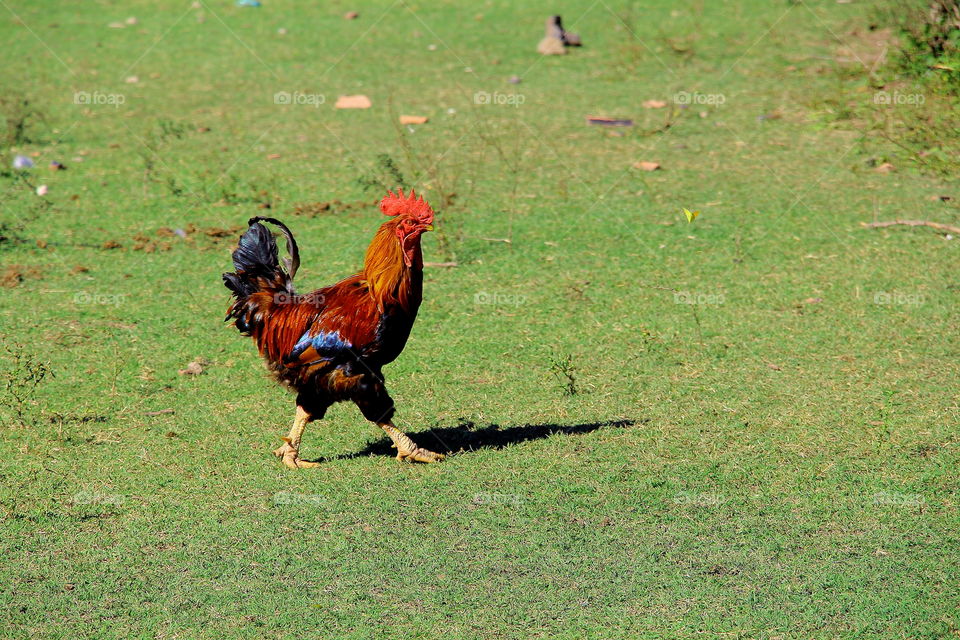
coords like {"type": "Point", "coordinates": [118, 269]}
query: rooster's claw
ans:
{"type": "Point", "coordinates": [420, 455]}
{"type": "Point", "coordinates": [291, 456]}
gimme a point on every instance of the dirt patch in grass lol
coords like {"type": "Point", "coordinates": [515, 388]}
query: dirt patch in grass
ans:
{"type": "Point", "coordinates": [15, 274]}
{"type": "Point", "coordinates": [331, 208]}
{"type": "Point", "coordinates": [866, 46]}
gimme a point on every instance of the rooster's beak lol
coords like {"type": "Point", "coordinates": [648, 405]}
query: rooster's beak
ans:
{"type": "Point", "coordinates": [429, 227]}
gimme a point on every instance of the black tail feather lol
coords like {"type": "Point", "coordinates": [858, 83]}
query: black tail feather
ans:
{"type": "Point", "coordinates": [293, 262]}
{"type": "Point", "coordinates": [257, 265]}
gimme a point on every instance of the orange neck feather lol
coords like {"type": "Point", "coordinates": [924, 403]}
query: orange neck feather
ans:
{"type": "Point", "coordinates": [390, 280]}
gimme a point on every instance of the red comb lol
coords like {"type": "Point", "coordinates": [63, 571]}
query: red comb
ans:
{"type": "Point", "coordinates": [395, 204]}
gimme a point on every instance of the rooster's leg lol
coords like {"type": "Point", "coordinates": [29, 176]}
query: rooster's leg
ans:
{"type": "Point", "coordinates": [406, 448]}
{"type": "Point", "coordinates": [290, 451]}
{"type": "Point", "coordinates": [376, 405]}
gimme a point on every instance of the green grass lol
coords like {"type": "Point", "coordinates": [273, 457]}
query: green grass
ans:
{"type": "Point", "coordinates": [779, 460]}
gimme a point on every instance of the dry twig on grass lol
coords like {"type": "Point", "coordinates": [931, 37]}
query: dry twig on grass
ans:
{"type": "Point", "coordinates": [945, 228]}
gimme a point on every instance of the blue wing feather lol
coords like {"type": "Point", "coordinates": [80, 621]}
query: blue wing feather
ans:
{"type": "Point", "coordinates": [328, 344]}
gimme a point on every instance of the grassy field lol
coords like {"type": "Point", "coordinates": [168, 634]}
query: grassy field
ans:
{"type": "Point", "coordinates": [743, 427]}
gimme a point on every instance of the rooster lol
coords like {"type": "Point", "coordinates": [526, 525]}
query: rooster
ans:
{"type": "Point", "coordinates": [331, 344]}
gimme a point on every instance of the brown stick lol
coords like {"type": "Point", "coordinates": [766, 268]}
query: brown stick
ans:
{"type": "Point", "coordinates": [945, 228]}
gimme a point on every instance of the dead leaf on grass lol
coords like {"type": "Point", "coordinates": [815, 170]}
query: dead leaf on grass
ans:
{"type": "Point", "coordinates": [609, 122]}
{"type": "Point", "coordinates": [353, 102]}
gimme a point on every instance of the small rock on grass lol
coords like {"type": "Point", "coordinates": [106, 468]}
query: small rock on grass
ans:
{"type": "Point", "coordinates": [551, 46]}
{"type": "Point", "coordinates": [195, 368]}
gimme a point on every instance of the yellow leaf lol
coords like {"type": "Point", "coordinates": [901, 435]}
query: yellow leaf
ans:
{"type": "Point", "coordinates": [691, 215]}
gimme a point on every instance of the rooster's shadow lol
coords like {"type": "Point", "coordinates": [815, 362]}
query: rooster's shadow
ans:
{"type": "Point", "coordinates": [466, 437]}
